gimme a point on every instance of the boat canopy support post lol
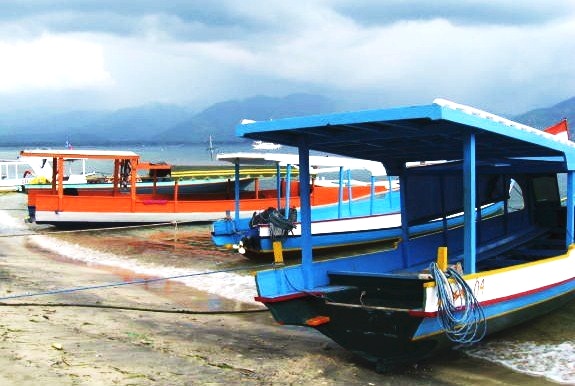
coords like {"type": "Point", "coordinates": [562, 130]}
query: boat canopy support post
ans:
{"type": "Point", "coordinates": [55, 175]}
{"type": "Point", "coordinates": [372, 194]}
{"type": "Point", "coordinates": [340, 192]}
{"type": "Point", "coordinates": [569, 239]}
{"type": "Point", "coordinates": [237, 190]}
{"type": "Point", "coordinates": [404, 219]}
{"type": "Point", "coordinates": [349, 194]}
{"type": "Point", "coordinates": [306, 244]}
{"type": "Point", "coordinates": [390, 182]}
{"type": "Point", "coordinates": [59, 169]}
{"type": "Point", "coordinates": [278, 185]}
{"type": "Point", "coordinates": [288, 189]}
{"type": "Point", "coordinates": [443, 211]}
{"type": "Point", "coordinates": [116, 180]}
{"type": "Point", "coordinates": [508, 183]}
{"type": "Point", "coordinates": [469, 204]}
{"type": "Point", "coordinates": [133, 174]}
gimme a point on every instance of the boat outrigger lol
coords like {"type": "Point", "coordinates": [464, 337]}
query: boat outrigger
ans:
{"type": "Point", "coordinates": [449, 287]}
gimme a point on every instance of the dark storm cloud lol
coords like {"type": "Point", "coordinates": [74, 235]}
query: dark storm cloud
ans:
{"type": "Point", "coordinates": [208, 20]}
{"type": "Point", "coordinates": [469, 12]}
{"type": "Point", "coordinates": [198, 19]}
{"type": "Point", "coordinates": [505, 54]}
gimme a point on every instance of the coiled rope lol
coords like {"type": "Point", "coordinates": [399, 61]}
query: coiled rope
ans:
{"type": "Point", "coordinates": [463, 321]}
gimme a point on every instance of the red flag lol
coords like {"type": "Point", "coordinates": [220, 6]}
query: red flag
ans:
{"type": "Point", "coordinates": [559, 129]}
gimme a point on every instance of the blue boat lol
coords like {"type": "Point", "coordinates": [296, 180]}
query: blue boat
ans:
{"type": "Point", "coordinates": [450, 287]}
{"type": "Point", "coordinates": [355, 197]}
{"type": "Point", "coordinates": [338, 234]}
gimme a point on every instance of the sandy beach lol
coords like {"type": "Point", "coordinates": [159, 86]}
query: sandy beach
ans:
{"type": "Point", "coordinates": [74, 339]}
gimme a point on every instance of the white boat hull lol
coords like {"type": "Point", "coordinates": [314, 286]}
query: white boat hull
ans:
{"type": "Point", "coordinates": [91, 218]}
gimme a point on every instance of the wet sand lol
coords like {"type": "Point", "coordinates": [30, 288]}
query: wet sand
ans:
{"type": "Point", "coordinates": [71, 345]}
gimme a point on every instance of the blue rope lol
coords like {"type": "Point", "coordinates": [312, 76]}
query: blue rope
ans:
{"type": "Point", "coordinates": [119, 284]}
{"type": "Point", "coordinates": [464, 322]}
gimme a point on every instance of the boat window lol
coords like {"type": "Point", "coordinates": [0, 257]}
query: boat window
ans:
{"type": "Point", "coordinates": [545, 189]}
{"type": "Point", "coordinates": [562, 183]}
{"type": "Point", "coordinates": [515, 201]}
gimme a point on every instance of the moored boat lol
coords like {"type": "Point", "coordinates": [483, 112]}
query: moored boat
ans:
{"type": "Point", "coordinates": [450, 287]}
{"type": "Point", "coordinates": [125, 203]}
{"type": "Point", "coordinates": [16, 174]}
{"type": "Point", "coordinates": [343, 233]}
{"type": "Point", "coordinates": [356, 197]}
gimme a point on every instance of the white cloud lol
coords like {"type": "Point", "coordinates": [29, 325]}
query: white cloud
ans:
{"type": "Point", "coordinates": [53, 63]}
{"type": "Point", "coordinates": [506, 68]}
{"type": "Point", "coordinates": [494, 54]}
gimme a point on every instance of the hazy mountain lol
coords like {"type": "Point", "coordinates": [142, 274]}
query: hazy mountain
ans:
{"type": "Point", "coordinates": [164, 123]}
{"type": "Point", "coordinates": [155, 123]}
{"type": "Point", "coordinates": [221, 119]}
{"type": "Point", "coordinates": [545, 117]}
{"type": "Point", "coordinates": [139, 124]}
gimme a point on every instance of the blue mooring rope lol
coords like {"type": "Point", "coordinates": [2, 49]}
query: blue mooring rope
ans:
{"type": "Point", "coordinates": [465, 322]}
{"type": "Point", "coordinates": [133, 282]}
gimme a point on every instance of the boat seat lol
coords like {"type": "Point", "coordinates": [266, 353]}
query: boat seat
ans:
{"type": "Point", "coordinates": [380, 289]}
{"type": "Point", "coordinates": [504, 244]}
{"type": "Point", "coordinates": [333, 288]}
{"type": "Point", "coordinates": [399, 275]}
{"type": "Point", "coordinates": [534, 254]}
{"type": "Point", "coordinates": [497, 263]}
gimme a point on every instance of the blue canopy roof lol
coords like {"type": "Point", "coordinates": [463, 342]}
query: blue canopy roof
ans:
{"type": "Point", "coordinates": [419, 133]}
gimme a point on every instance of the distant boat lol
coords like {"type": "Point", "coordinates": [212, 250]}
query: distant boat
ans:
{"type": "Point", "coordinates": [123, 202]}
{"type": "Point", "coordinates": [211, 148]}
{"type": "Point", "coordinates": [260, 145]}
{"type": "Point", "coordinates": [15, 174]}
{"type": "Point", "coordinates": [74, 170]}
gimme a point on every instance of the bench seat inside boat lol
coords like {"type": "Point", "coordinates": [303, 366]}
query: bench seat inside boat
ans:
{"type": "Point", "coordinates": [378, 289]}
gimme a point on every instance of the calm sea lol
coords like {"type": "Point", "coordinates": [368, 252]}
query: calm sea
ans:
{"type": "Point", "coordinates": [197, 154]}
{"type": "Point", "coordinates": [543, 348]}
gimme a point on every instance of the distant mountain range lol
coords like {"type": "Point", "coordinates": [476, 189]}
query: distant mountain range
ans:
{"type": "Point", "coordinates": [545, 117]}
{"type": "Point", "coordinates": [172, 124]}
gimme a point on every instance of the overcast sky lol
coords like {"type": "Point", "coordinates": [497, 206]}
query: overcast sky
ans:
{"type": "Point", "coordinates": [505, 56]}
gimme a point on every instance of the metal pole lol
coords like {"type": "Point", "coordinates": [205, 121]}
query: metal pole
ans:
{"type": "Point", "coordinates": [237, 190]}
{"type": "Point", "coordinates": [469, 203]}
{"type": "Point", "coordinates": [570, 209]}
{"type": "Point", "coordinates": [340, 191]}
{"type": "Point", "coordinates": [306, 242]}
{"type": "Point", "coordinates": [288, 189]}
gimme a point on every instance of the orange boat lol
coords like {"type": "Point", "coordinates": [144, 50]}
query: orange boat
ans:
{"type": "Point", "coordinates": [123, 203]}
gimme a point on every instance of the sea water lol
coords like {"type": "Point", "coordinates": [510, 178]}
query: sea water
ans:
{"type": "Point", "coordinates": [544, 347]}
{"type": "Point", "coordinates": [195, 154]}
